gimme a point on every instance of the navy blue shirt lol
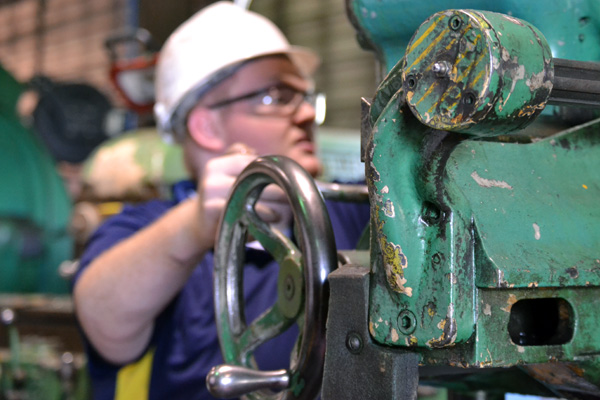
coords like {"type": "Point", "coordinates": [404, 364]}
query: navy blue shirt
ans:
{"type": "Point", "coordinates": [184, 345]}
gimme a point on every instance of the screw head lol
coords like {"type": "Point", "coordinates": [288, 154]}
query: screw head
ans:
{"type": "Point", "coordinates": [354, 342]}
{"type": "Point", "coordinates": [469, 99]}
{"type": "Point", "coordinates": [407, 322]}
{"type": "Point", "coordinates": [411, 82]}
{"type": "Point", "coordinates": [455, 22]}
{"type": "Point", "coordinates": [289, 287]}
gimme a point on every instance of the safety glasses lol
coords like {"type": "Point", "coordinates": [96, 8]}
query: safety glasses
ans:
{"type": "Point", "coordinates": [277, 100]}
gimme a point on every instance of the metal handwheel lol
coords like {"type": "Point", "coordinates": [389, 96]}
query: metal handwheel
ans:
{"type": "Point", "coordinates": [301, 293]}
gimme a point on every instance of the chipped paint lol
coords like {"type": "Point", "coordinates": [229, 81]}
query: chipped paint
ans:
{"type": "Point", "coordinates": [385, 189]}
{"type": "Point", "coordinates": [516, 75]}
{"type": "Point", "coordinates": [394, 262]}
{"type": "Point", "coordinates": [489, 183]}
{"type": "Point", "coordinates": [452, 278]}
{"type": "Point", "coordinates": [388, 209]}
{"type": "Point", "coordinates": [536, 230]}
{"type": "Point", "coordinates": [441, 324]}
{"type": "Point", "coordinates": [487, 310]}
{"type": "Point", "coordinates": [573, 272]}
{"type": "Point", "coordinates": [520, 349]}
{"type": "Point", "coordinates": [372, 329]}
{"type": "Point", "coordinates": [449, 331]}
{"type": "Point", "coordinates": [394, 335]}
{"type": "Point", "coordinates": [512, 299]}
{"type": "Point", "coordinates": [537, 81]}
{"type": "Point", "coordinates": [410, 341]}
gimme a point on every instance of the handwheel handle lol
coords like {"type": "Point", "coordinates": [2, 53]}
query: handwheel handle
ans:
{"type": "Point", "coordinates": [229, 381]}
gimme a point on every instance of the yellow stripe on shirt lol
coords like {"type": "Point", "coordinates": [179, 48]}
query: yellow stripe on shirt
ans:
{"type": "Point", "coordinates": [133, 380]}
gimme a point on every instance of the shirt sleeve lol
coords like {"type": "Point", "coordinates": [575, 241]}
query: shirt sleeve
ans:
{"type": "Point", "coordinates": [119, 227]}
{"type": "Point", "coordinates": [348, 220]}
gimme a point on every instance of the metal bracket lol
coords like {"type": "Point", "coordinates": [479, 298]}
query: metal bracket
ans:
{"type": "Point", "coordinates": [355, 367]}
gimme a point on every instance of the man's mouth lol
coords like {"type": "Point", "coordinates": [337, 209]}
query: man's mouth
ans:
{"type": "Point", "coordinates": [306, 145]}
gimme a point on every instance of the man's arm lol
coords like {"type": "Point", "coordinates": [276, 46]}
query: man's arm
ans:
{"type": "Point", "coordinates": [124, 289]}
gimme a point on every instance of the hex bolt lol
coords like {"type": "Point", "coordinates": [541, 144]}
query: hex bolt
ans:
{"type": "Point", "coordinates": [354, 342]}
{"type": "Point", "coordinates": [441, 68]}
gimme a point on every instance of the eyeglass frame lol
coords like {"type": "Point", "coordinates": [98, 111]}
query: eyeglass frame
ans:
{"type": "Point", "coordinates": [307, 96]}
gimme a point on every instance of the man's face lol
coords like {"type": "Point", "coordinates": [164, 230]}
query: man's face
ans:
{"type": "Point", "coordinates": [266, 129]}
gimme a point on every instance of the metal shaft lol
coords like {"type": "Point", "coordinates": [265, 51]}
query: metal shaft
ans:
{"type": "Point", "coordinates": [576, 83]}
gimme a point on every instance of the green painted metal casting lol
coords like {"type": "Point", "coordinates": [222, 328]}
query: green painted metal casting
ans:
{"type": "Point", "coordinates": [484, 253]}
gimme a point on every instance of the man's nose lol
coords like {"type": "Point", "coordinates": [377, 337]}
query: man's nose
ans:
{"type": "Point", "coordinates": [305, 113]}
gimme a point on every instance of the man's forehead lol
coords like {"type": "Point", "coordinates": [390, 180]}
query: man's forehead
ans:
{"type": "Point", "coordinates": [257, 74]}
{"type": "Point", "coordinates": [269, 70]}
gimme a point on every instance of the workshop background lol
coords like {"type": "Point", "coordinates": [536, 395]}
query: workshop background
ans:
{"type": "Point", "coordinates": [55, 52]}
{"type": "Point", "coordinates": [64, 39]}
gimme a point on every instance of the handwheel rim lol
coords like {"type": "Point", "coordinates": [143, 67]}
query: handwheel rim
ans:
{"type": "Point", "coordinates": [317, 247]}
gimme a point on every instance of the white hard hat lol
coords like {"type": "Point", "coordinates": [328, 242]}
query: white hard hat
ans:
{"type": "Point", "coordinates": [206, 49]}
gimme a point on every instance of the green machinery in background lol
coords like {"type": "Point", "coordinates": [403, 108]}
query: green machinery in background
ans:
{"type": "Point", "coordinates": [482, 161]}
{"type": "Point", "coordinates": [40, 355]}
{"type": "Point", "coordinates": [34, 206]}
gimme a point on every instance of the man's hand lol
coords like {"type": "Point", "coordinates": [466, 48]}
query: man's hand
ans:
{"type": "Point", "coordinates": [215, 187]}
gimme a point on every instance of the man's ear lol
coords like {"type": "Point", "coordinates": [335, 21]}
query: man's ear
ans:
{"type": "Point", "coordinates": [202, 128]}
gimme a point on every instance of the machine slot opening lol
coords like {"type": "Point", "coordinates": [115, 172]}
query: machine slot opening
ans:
{"type": "Point", "coordinates": [541, 322]}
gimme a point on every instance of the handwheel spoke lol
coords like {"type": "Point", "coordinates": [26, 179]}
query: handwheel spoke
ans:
{"type": "Point", "coordinates": [268, 325]}
{"type": "Point", "coordinates": [273, 240]}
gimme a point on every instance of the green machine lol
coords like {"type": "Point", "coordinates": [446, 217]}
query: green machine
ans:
{"type": "Point", "coordinates": [34, 206]}
{"type": "Point", "coordinates": [482, 161]}
{"type": "Point", "coordinates": [40, 354]}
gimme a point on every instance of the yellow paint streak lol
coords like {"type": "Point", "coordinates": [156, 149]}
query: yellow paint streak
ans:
{"type": "Point", "coordinates": [429, 48]}
{"type": "Point", "coordinates": [584, 186]}
{"type": "Point", "coordinates": [424, 35]}
{"type": "Point", "coordinates": [427, 93]}
{"type": "Point", "coordinates": [461, 77]}
{"type": "Point", "coordinates": [471, 66]}
{"type": "Point", "coordinates": [478, 77]}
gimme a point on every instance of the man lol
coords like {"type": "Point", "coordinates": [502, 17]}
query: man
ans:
{"type": "Point", "coordinates": [229, 87]}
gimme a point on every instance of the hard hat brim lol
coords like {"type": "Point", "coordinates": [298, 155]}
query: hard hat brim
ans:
{"type": "Point", "coordinates": [306, 60]}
